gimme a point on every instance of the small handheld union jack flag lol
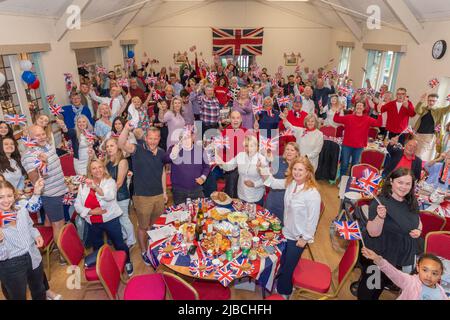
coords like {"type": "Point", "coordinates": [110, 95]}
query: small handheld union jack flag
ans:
{"type": "Point", "coordinates": [56, 109]}
{"type": "Point", "coordinates": [101, 70]}
{"type": "Point", "coordinates": [156, 96]}
{"type": "Point", "coordinates": [69, 199]}
{"type": "Point", "coordinates": [257, 109]}
{"type": "Point", "coordinates": [283, 101]}
{"type": "Point", "coordinates": [268, 144]}
{"type": "Point", "coordinates": [222, 142]}
{"type": "Point", "coordinates": [287, 133]}
{"type": "Point", "coordinates": [433, 83]}
{"type": "Point", "coordinates": [6, 217]}
{"type": "Point", "coordinates": [50, 99]}
{"type": "Point", "coordinates": [41, 166]}
{"type": "Point", "coordinates": [149, 80]}
{"type": "Point", "coordinates": [344, 90]}
{"type": "Point", "coordinates": [370, 181]}
{"type": "Point", "coordinates": [89, 135]}
{"type": "Point", "coordinates": [28, 142]}
{"type": "Point", "coordinates": [408, 130]}
{"type": "Point", "coordinates": [123, 82]}
{"type": "Point", "coordinates": [274, 82]}
{"type": "Point", "coordinates": [16, 119]}
{"type": "Point", "coordinates": [349, 230]}
{"type": "Point", "coordinates": [212, 77]}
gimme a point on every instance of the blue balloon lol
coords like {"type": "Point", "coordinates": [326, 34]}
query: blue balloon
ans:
{"type": "Point", "coordinates": [28, 77]}
{"type": "Point", "coordinates": [130, 54]}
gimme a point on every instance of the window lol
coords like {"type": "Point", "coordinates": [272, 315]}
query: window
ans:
{"type": "Point", "coordinates": [242, 62]}
{"type": "Point", "coordinates": [344, 61]}
{"type": "Point", "coordinates": [126, 48]}
{"type": "Point", "coordinates": [9, 101]}
{"type": "Point", "coordinates": [88, 58]}
{"type": "Point", "coordinates": [382, 68]}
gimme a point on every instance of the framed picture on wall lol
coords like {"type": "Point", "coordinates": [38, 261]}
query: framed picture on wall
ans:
{"type": "Point", "coordinates": [291, 60]}
{"type": "Point", "coordinates": [118, 70]}
{"type": "Point", "coordinates": [180, 58]}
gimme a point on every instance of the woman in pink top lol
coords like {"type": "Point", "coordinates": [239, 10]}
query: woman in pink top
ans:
{"type": "Point", "coordinates": [422, 286]}
{"type": "Point", "coordinates": [174, 119]}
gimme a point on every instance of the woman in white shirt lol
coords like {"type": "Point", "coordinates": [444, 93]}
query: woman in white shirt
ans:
{"type": "Point", "coordinates": [10, 163]}
{"type": "Point", "coordinates": [301, 215]}
{"type": "Point", "coordinates": [250, 185]}
{"type": "Point", "coordinates": [309, 138]}
{"type": "Point", "coordinates": [330, 110]}
{"type": "Point", "coordinates": [96, 202]}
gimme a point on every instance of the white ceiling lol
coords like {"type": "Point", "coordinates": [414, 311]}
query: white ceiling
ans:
{"type": "Point", "coordinates": [424, 10]}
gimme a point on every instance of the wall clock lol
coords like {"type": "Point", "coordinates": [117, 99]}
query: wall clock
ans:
{"type": "Point", "coordinates": [439, 49]}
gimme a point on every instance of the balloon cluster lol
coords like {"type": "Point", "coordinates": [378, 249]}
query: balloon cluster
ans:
{"type": "Point", "coordinates": [28, 76]}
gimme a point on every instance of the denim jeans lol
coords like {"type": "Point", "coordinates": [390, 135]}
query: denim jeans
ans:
{"type": "Point", "coordinates": [113, 230]}
{"type": "Point", "coordinates": [289, 261]}
{"type": "Point", "coordinates": [127, 226]}
{"type": "Point", "coordinates": [346, 154]}
{"type": "Point", "coordinates": [16, 273]}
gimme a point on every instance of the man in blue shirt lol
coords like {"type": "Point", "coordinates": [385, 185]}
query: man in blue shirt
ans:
{"type": "Point", "coordinates": [76, 108]}
{"type": "Point", "coordinates": [321, 94]}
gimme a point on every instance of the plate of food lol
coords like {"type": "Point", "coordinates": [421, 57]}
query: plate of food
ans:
{"type": "Point", "coordinates": [238, 217]}
{"type": "Point", "coordinates": [219, 213]}
{"type": "Point", "coordinates": [224, 227]}
{"type": "Point", "coordinates": [221, 198]}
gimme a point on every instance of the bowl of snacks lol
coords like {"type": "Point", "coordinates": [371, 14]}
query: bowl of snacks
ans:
{"type": "Point", "coordinates": [221, 198]}
{"type": "Point", "coordinates": [238, 217]}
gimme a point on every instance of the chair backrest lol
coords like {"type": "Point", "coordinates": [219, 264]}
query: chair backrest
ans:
{"type": "Point", "coordinates": [340, 131]}
{"type": "Point", "coordinates": [373, 157]}
{"type": "Point", "coordinates": [430, 222]}
{"type": "Point", "coordinates": [108, 272]}
{"type": "Point", "coordinates": [322, 209]}
{"type": "Point", "coordinates": [373, 132]}
{"type": "Point", "coordinates": [67, 165]}
{"type": "Point", "coordinates": [438, 243]}
{"type": "Point", "coordinates": [328, 131]}
{"type": "Point", "coordinates": [347, 263]}
{"type": "Point", "coordinates": [358, 169]}
{"type": "Point", "coordinates": [178, 288]}
{"type": "Point", "coordinates": [70, 245]}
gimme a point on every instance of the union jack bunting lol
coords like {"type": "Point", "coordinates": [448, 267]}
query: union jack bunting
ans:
{"type": "Point", "coordinates": [56, 109]}
{"type": "Point", "coordinates": [101, 70]}
{"type": "Point", "coordinates": [222, 142]}
{"type": "Point", "coordinates": [16, 119]}
{"type": "Point", "coordinates": [176, 249]}
{"type": "Point", "coordinates": [268, 144]}
{"type": "Point", "coordinates": [370, 181]}
{"type": "Point", "coordinates": [201, 268]}
{"type": "Point", "coordinates": [283, 101]}
{"type": "Point", "coordinates": [69, 199]}
{"type": "Point", "coordinates": [224, 275]}
{"type": "Point", "coordinates": [237, 42]}
{"type": "Point", "coordinates": [123, 82]}
{"type": "Point", "coordinates": [433, 83]}
{"type": "Point", "coordinates": [28, 142]}
{"type": "Point", "coordinates": [349, 230]}
{"type": "Point", "coordinates": [50, 99]}
{"type": "Point", "coordinates": [6, 217]}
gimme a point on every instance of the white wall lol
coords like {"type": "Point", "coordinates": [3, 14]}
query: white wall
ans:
{"type": "Point", "coordinates": [61, 59]}
{"type": "Point", "coordinates": [417, 66]}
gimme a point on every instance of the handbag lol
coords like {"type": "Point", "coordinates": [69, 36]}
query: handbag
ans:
{"type": "Point", "coordinates": [91, 259]}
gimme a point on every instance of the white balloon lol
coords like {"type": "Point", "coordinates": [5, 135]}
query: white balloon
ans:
{"type": "Point", "coordinates": [2, 79]}
{"type": "Point", "coordinates": [26, 65]}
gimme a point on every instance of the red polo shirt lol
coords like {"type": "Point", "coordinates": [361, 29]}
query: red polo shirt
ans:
{"type": "Point", "coordinates": [405, 162]}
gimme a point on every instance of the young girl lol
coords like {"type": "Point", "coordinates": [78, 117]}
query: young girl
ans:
{"type": "Point", "coordinates": [20, 259]}
{"type": "Point", "coordinates": [137, 113]}
{"type": "Point", "coordinates": [422, 286]}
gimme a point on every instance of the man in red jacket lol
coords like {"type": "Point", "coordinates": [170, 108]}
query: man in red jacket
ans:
{"type": "Point", "coordinates": [296, 117]}
{"type": "Point", "coordinates": [398, 113]}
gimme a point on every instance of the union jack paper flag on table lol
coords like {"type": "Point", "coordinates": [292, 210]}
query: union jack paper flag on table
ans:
{"type": "Point", "coordinates": [349, 230]}
{"type": "Point", "coordinates": [225, 275]}
{"type": "Point", "coordinates": [16, 119]}
{"type": "Point", "coordinates": [239, 266]}
{"type": "Point", "coordinates": [123, 82]}
{"type": "Point", "coordinates": [174, 249]}
{"type": "Point", "coordinates": [370, 181]}
{"type": "Point", "coordinates": [56, 109]}
{"type": "Point", "coordinates": [433, 83]}
{"type": "Point", "coordinates": [237, 42]}
{"type": "Point", "coordinates": [28, 142]}
{"type": "Point", "coordinates": [201, 268]}
{"type": "Point", "coordinates": [6, 217]}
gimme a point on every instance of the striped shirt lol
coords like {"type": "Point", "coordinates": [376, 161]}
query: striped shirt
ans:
{"type": "Point", "coordinates": [20, 239]}
{"type": "Point", "coordinates": [209, 110]}
{"type": "Point", "coordinates": [54, 178]}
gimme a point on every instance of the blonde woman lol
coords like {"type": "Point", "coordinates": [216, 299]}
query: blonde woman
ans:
{"type": "Point", "coordinates": [309, 138]}
{"type": "Point", "coordinates": [330, 110]}
{"type": "Point", "coordinates": [243, 105]}
{"type": "Point", "coordinates": [250, 185]}
{"type": "Point", "coordinates": [104, 123]}
{"type": "Point", "coordinates": [96, 202]}
{"type": "Point", "coordinates": [301, 215]}
{"type": "Point", "coordinates": [80, 144]}
{"type": "Point", "coordinates": [174, 119]}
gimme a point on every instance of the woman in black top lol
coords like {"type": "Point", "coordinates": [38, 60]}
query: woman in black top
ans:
{"type": "Point", "coordinates": [393, 231]}
{"type": "Point", "coordinates": [117, 167]}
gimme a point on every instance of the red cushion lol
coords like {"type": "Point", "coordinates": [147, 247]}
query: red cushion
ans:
{"type": "Point", "coordinates": [47, 234]}
{"type": "Point", "coordinates": [312, 275]}
{"type": "Point", "coordinates": [145, 287]}
{"type": "Point", "coordinates": [275, 297]}
{"type": "Point", "coordinates": [211, 290]}
{"type": "Point", "coordinates": [119, 256]}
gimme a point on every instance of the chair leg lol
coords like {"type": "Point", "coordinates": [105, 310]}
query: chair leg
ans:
{"type": "Point", "coordinates": [310, 252]}
{"type": "Point", "coordinates": [47, 253]}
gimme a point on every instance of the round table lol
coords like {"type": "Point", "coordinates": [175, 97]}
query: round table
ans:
{"type": "Point", "coordinates": [199, 265]}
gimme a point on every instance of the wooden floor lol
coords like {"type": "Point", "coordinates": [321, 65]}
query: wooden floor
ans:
{"type": "Point", "coordinates": [322, 251]}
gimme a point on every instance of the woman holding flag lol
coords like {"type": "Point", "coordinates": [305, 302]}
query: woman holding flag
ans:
{"type": "Point", "coordinates": [393, 230]}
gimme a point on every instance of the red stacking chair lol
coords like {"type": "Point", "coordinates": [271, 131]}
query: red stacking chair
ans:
{"type": "Point", "coordinates": [145, 287]}
{"type": "Point", "coordinates": [438, 243]}
{"type": "Point", "coordinates": [67, 165]}
{"type": "Point", "coordinates": [322, 210]}
{"type": "Point", "coordinates": [431, 222]}
{"type": "Point", "coordinates": [315, 278]}
{"type": "Point", "coordinates": [373, 133]}
{"type": "Point", "coordinates": [72, 249]}
{"type": "Point", "coordinates": [49, 243]}
{"type": "Point", "coordinates": [358, 169]}
{"type": "Point", "coordinates": [328, 131]}
{"type": "Point", "coordinates": [374, 158]}
{"type": "Point", "coordinates": [275, 297]}
{"type": "Point", "coordinates": [108, 272]}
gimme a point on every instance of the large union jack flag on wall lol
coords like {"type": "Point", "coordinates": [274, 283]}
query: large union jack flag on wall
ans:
{"type": "Point", "coordinates": [237, 42]}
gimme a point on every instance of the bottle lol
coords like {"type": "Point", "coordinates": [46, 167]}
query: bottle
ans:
{"type": "Point", "coordinates": [235, 233]}
{"type": "Point", "coordinates": [198, 226]}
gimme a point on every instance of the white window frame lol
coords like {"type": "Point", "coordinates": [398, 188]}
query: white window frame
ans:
{"type": "Point", "coordinates": [345, 66]}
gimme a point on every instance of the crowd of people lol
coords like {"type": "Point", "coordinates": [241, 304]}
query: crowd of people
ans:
{"type": "Point", "coordinates": [201, 123]}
